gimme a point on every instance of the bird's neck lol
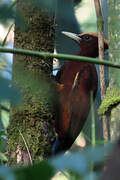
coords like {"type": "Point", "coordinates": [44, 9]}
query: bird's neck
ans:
{"type": "Point", "coordinates": [83, 53]}
{"type": "Point", "coordinates": [90, 53]}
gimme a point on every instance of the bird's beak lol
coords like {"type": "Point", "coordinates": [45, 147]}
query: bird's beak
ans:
{"type": "Point", "coordinates": [73, 36]}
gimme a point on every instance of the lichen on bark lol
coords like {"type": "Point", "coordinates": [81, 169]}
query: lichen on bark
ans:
{"type": "Point", "coordinates": [111, 99]}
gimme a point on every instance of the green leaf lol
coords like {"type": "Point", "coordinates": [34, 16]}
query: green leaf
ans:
{"type": "Point", "coordinates": [74, 161]}
{"type": "Point", "coordinates": [99, 141]}
{"type": "Point", "coordinates": [41, 171]}
{"type": "Point", "coordinates": [80, 162]}
{"type": "Point", "coordinates": [8, 91]}
{"type": "Point", "coordinates": [2, 138]}
{"type": "Point", "coordinates": [49, 5]}
{"type": "Point", "coordinates": [6, 174]}
{"type": "Point", "coordinates": [5, 119]}
{"type": "Point", "coordinates": [7, 13]}
{"type": "Point", "coordinates": [3, 157]}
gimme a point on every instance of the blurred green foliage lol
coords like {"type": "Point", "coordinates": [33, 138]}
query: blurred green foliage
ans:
{"type": "Point", "coordinates": [9, 91]}
{"type": "Point", "coordinates": [7, 13]}
{"type": "Point", "coordinates": [78, 163]}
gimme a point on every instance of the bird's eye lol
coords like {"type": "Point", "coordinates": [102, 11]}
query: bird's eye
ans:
{"type": "Point", "coordinates": [86, 37]}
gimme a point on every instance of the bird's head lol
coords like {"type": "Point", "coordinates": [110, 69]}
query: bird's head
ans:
{"type": "Point", "coordinates": [88, 43]}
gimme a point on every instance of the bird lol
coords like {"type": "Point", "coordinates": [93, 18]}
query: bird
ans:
{"type": "Point", "coordinates": [75, 82]}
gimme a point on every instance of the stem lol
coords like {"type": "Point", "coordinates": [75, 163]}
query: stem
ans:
{"type": "Point", "coordinates": [92, 126]}
{"type": "Point", "coordinates": [93, 120]}
{"type": "Point", "coordinates": [5, 39]}
{"type": "Point", "coordinates": [61, 56]}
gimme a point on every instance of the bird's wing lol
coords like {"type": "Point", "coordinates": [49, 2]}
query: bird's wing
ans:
{"type": "Point", "coordinates": [60, 87]}
{"type": "Point", "coordinates": [85, 81]}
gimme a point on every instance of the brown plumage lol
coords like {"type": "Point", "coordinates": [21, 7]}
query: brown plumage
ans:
{"type": "Point", "coordinates": [76, 81]}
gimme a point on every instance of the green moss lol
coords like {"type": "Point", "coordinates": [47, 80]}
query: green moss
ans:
{"type": "Point", "coordinates": [34, 117]}
{"type": "Point", "coordinates": [111, 98]}
{"type": "Point", "coordinates": [35, 121]}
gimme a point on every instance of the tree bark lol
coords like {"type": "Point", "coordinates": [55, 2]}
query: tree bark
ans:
{"type": "Point", "coordinates": [31, 128]}
{"type": "Point", "coordinates": [114, 46]}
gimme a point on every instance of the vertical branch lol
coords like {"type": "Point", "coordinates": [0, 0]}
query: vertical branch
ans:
{"type": "Point", "coordinates": [100, 25]}
{"type": "Point", "coordinates": [93, 120]}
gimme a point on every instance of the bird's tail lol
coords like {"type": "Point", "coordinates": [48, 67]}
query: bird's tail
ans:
{"type": "Point", "coordinates": [58, 147]}
{"type": "Point", "coordinates": [61, 146]}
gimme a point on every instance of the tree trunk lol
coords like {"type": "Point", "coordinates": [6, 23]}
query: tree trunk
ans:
{"type": "Point", "coordinates": [31, 127]}
{"type": "Point", "coordinates": [114, 54]}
